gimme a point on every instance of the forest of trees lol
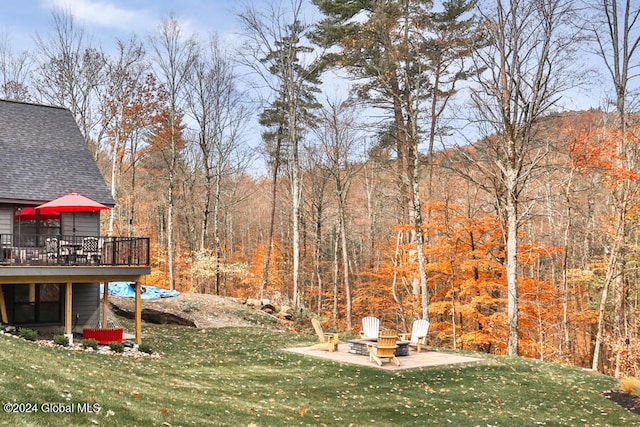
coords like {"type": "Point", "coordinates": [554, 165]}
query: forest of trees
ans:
{"type": "Point", "coordinates": [453, 180]}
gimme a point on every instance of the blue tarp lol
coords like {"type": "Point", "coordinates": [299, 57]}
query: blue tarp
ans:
{"type": "Point", "coordinates": [126, 289]}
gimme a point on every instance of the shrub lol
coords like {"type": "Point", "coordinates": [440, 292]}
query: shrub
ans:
{"type": "Point", "coordinates": [300, 318]}
{"type": "Point", "coordinates": [116, 346]}
{"type": "Point", "coordinates": [29, 334]}
{"type": "Point", "coordinates": [630, 385]}
{"type": "Point", "coordinates": [145, 348]}
{"type": "Point", "coordinates": [90, 343]}
{"type": "Point", "coordinates": [61, 340]}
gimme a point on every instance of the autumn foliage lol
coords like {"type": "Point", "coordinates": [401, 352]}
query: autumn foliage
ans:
{"type": "Point", "coordinates": [562, 259]}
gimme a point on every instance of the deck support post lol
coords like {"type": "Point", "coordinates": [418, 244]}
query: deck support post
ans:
{"type": "Point", "coordinates": [3, 307]}
{"type": "Point", "coordinates": [105, 304]}
{"type": "Point", "coordinates": [68, 311]}
{"type": "Point", "coordinates": [138, 313]}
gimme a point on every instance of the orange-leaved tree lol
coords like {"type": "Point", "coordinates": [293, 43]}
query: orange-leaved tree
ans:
{"type": "Point", "coordinates": [386, 291]}
{"type": "Point", "coordinates": [467, 282]}
{"type": "Point", "coordinates": [466, 278]}
{"type": "Point", "coordinates": [612, 152]}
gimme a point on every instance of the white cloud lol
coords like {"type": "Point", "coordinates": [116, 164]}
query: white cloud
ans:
{"type": "Point", "coordinates": [197, 17]}
{"type": "Point", "coordinates": [105, 14]}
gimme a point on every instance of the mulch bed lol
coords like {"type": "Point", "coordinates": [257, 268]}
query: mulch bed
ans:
{"type": "Point", "coordinates": [626, 400]}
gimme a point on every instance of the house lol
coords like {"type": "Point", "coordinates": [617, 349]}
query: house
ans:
{"type": "Point", "coordinates": [53, 262]}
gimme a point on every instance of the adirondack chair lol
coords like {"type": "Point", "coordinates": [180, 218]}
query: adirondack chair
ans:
{"type": "Point", "coordinates": [328, 341]}
{"type": "Point", "coordinates": [418, 337]}
{"type": "Point", "coordinates": [385, 348]}
{"type": "Point", "coordinates": [370, 327]}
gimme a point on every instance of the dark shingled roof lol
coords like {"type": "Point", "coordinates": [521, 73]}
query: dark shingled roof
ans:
{"type": "Point", "coordinates": [43, 156]}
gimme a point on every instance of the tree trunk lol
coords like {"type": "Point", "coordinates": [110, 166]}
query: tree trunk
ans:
{"type": "Point", "coordinates": [595, 364]}
{"type": "Point", "coordinates": [317, 255]}
{"type": "Point", "coordinates": [272, 216]}
{"type": "Point", "coordinates": [419, 239]}
{"type": "Point", "coordinates": [114, 174]}
{"type": "Point", "coordinates": [336, 269]}
{"type": "Point", "coordinates": [511, 209]}
{"type": "Point", "coordinates": [172, 283]}
{"type": "Point", "coordinates": [171, 202]}
{"type": "Point", "coordinates": [295, 194]}
{"type": "Point", "coordinates": [394, 283]}
{"type": "Point", "coordinates": [132, 196]}
{"type": "Point", "coordinates": [207, 201]}
{"type": "Point", "coordinates": [216, 226]}
{"type": "Point", "coordinates": [345, 261]}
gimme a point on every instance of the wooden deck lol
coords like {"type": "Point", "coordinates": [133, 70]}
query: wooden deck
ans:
{"type": "Point", "coordinates": [72, 261]}
{"type": "Point", "coordinates": [72, 250]}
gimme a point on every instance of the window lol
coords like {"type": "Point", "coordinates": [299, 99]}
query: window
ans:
{"type": "Point", "coordinates": [37, 303]}
{"type": "Point", "coordinates": [29, 224]}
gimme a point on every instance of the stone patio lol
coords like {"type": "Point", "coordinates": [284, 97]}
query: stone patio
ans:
{"type": "Point", "coordinates": [412, 361]}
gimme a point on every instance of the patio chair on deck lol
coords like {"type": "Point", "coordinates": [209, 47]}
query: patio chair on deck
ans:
{"type": "Point", "coordinates": [418, 336]}
{"type": "Point", "coordinates": [370, 327]}
{"type": "Point", "coordinates": [328, 341]}
{"type": "Point", "coordinates": [89, 250]}
{"type": "Point", "coordinates": [5, 248]}
{"type": "Point", "coordinates": [52, 248]}
{"type": "Point", "coordinates": [385, 348]}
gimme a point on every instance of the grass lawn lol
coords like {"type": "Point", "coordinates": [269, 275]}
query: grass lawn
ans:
{"type": "Point", "coordinates": [238, 376]}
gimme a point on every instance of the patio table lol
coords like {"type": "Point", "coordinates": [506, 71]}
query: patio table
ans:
{"type": "Point", "coordinates": [69, 250]}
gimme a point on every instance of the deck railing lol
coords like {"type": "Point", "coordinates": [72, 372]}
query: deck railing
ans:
{"type": "Point", "coordinates": [39, 250]}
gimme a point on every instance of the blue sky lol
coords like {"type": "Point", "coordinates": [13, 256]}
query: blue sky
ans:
{"type": "Point", "coordinates": [104, 20]}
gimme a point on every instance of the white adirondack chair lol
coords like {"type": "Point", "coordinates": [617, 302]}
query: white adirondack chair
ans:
{"type": "Point", "coordinates": [418, 337]}
{"type": "Point", "coordinates": [370, 327]}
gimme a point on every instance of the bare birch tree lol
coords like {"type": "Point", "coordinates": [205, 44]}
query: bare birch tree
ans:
{"type": "Point", "coordinates": [317, 202]}
{"type": "Point", "coordinates": [173, 56]}
{"type": "Point", "coordinates": [337, 132]}
{"type": "Point", "coordinates": [273, 139]}
{"type": "Point", "coordinates": [70, 73]}
{"type": "Point", "coordinates": [522, 73]}
{"type": "Point", "coordinates": [616, 30]}
{"type": "Point", "coordinates": [128, 105]}
{"type": "Point", "coordinates": [276, 51]}
{"type": "Point", "coordinates": [217, 106]}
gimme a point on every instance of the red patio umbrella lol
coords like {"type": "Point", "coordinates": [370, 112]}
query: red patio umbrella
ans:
{"type": "Point", "coordinates": [29, 213]}
{"type": "Point", "coordinates": [73, 202]}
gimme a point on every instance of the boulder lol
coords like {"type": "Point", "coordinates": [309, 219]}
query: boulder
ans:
{"type": "Point", "coordinates": [153, 316]}
{"type": "Point", "coordinates": [286, 312]}
{"type": "Point", "coordinates": [268, 308]}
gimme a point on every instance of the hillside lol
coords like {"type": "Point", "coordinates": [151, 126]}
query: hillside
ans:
{"type": "Point", "coordinates": [212, 311]}
{"type": "Point", "coordinates": [197, 310]}
{"type": "Point", "coordinates": [240, 376]}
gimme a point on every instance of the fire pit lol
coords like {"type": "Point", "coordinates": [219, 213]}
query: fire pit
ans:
{"type": "Point", "coordinates": [359, 346]}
